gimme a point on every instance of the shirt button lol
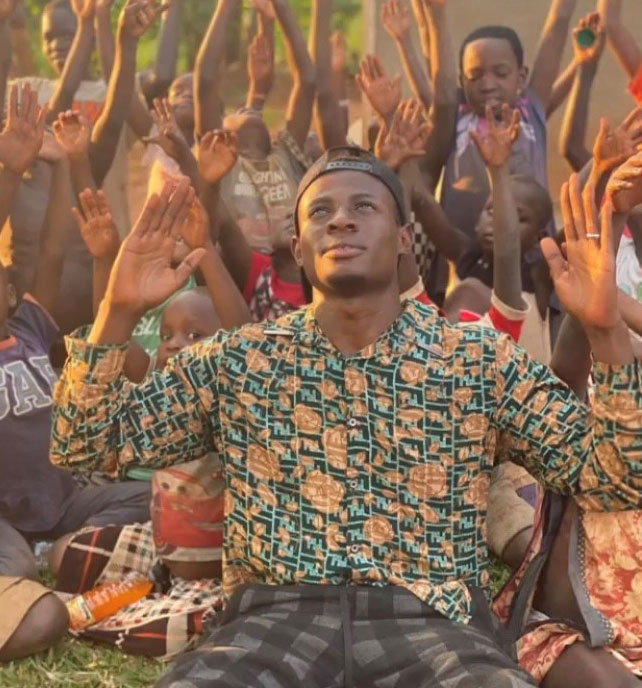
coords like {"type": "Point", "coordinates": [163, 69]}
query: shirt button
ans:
{"type": "Point", "coordinates": [353, 422]}
{"type": "Point", "coordinates": [353, 484]}
{"type": "Point", "coordinates": [354, 549]}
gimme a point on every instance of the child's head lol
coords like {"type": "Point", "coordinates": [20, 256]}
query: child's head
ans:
{"type": "Point", "coordinates": [188, 318]}
{"type": "Point", "coordinates": [534, 210]}
{"type": "Point", "coordinates": [253, 136]}
{"type": "Point", "coordinates": [181, 100]}
{"type": "Point", "coordinates": [492, 71]}
{"type": "Point", "coordinates": [58, 29]}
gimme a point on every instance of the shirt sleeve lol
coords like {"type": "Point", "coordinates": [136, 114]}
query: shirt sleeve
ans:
{"type": "Point", "coordinates": [33, 323]}
{"type": "Point", "coordinates": [635, 87]}
{"type": "Point", "coordinates": [260, 262]}
{"type": "Point", "coordinates": [103, 422]}
{"type": "Point", "coordinates": [593, 452]}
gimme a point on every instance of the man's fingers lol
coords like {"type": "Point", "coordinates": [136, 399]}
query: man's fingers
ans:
{"type": "Point", "coordinates": [13, 103]}
{"type": "Point", "coordinates": [567, 214]}
{"type": "Point", "coordinates": [80, 220]}
{"type": "Point", "coordinates": [590, 209]}
{"type": "Point", "coordinates": [577, 206]}
{"type": "Point", "coordinates": [174, 205]}
{"type": "Point", "coordinates": [556, 263]}
{"type": "Point", "coordinates": [607, 247]}
{"type": "Point", "coordinates": [187, 267]}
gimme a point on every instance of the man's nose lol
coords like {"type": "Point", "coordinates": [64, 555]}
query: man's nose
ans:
{"type": "Point", "coordinates": [341, 220]}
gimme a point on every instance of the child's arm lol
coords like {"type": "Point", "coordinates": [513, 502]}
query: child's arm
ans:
{"type": "Point", "coordinates": [207, 100]}
{"type": "Point", "coordinates": [226, 297]}
{"type": "Point", "coordinates": [170, 138]}
{"type": "Point", "coordinates": [52, 241]}
{"type": "Point", "coordinates": [136, 17]}
{"type": "Point", "coordinates": [20, 142]}
{"type": "Point", "coordinates": [495, 149]}
{"type": "Point", "coordinates": [217, 154]}
{"type": "Point", "coordinates": [397, 21]}
{"type": "Point", "coordinates": [561, 88]}
{"type": "Point", "coordinates": [6, 10]}
{"type": "Point", "coordinates": [339, 61]}
{"type": "Point", "coordinates": [260, 57]}
{"type": "Point", "coordinates": [164, 71]}
{"type": "Point", "coordinates": [77, 60]}
{"type": "Point", "coordinates": [73, 132]}
{"type": "Point", "coordinates": [573, 132]}
{"type": "Point", "coordinates": [330, 118]}
{"type": "Point", "coordinates": [621, 40]}
{"type": "Point", "coordinates": [546, 65]}
{"type": "Point", "coordinates": [298, 115]}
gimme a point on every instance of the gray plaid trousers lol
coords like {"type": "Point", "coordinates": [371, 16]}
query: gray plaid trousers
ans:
{"type": "Point", "coordinates": [314, 636]}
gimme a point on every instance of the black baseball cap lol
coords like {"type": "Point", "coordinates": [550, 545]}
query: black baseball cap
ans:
{"type": "Point", "coordinates": [354, 159]}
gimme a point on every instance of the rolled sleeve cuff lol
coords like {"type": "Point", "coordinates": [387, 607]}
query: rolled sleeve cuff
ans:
{"type": "Point", "coordinates": [98, 364]}
{"type": "Point", "coordinates": [618, 392]}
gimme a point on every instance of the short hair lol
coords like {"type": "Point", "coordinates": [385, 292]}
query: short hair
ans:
{"type": "Point", "coordinates": [538, 195]}
{"type": "Point", "coordinates": [504, 33]}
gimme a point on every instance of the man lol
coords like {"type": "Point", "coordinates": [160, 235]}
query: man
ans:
{"type": "Point", "coordinates": [357, 437]}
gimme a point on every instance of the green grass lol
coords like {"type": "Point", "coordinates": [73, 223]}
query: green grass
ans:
{"type": "Point", "coordinates": [77, 664]}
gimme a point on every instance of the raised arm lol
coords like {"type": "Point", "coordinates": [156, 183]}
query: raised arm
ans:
{"type": "Point", "coordinates": [495, 149]}
{"type": "Point", "coordinates": [6, 11]}
{"type": "Point", "coordinates": [91, 434]}
{"type": "Point", "coordinates": [561, 88]}
{"type": "Point", "coordinates": [299, 111]}
{"type": "Point", "coordinates": [77, 61]}
{"type": "Point", "coordinates": [621, 40]}
{"type": "Point", "coordinates": [383, 94]}
{"type": "Point", "coordinates": [397, 20]}
{"type": "Point", "coordinates": [330, 118]}
{"type": "Point", "coordinates": [136, 17]}
{"type": "Point", "coordinates": [587, 59]}
{"type": "Point", "coordinates": [207, 70]}
{"type": "Point", "coordinates": [548, 58]}
{"type": "Point", "coordinates": [260, 57]}
{"type": "Point", "coordinates": [157, 84]}
{"type": "Point", "coordinates": [217, 154]}
{"type": "Point", "coordinates": [20, 142]}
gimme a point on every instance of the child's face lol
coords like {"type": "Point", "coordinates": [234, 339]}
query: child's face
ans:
{"type": "Point", "coordinates": [58, 30]}
{"type": "Point", "coordinates": [491, 74]}
{"type": "Point", "coordinates": [189, 318]}
{"type": "Point", "coordinates": [181, 100]}
{"type": "Point", "coordinates": [529, 222]}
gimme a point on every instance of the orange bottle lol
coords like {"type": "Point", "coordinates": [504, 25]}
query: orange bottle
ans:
{"type": "Point", "coordinates": [103, 601]}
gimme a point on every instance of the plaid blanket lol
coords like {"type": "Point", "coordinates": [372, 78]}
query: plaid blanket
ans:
{"type": "Point", "coordinates": [161, 625]}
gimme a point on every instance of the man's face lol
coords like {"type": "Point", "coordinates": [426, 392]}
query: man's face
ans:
{"type": "Point", "coordinates": [349, 239]}
{"type": "Point", "coordinates": [58, 30]}
{"type": "Point", "coordinates": [491, 74]}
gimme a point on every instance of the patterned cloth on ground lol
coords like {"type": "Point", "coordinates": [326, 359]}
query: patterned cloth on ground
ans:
{"type": "Point", "coordinates": [336, 636]}
{"type": "Point", "coordinates": [160, 626]}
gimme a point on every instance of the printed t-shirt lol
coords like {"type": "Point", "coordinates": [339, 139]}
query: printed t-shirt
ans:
{"type": "Point", "coordinates": [32, 490]}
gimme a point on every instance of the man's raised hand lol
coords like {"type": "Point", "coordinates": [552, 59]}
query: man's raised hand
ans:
{"type": "Point", "coordinates": [143, 276]}
{"type": "Point", "coordinates": [96, 224]}
{"type": "Point", "coordinates": [496, 145]}
{"type": "Point", "coordinates": [383, 94]}
{"type": "Point", "coordinates": [22, 136]}
{"type": "Point", "coordinates": [218, 152]}
{"type": "Point", "coordinates": [585, 279]}
{"type": "Point", "coordinates": [406, 136]}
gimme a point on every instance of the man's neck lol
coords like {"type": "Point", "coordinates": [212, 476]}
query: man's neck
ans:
{"type": "Point", "coordinates": [353, 323]}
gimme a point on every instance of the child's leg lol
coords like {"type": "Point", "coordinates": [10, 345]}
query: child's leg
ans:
{"type": "Point", "coordinates": [16, 557]}
{"type": "Point", "coordinates": [34, 619]}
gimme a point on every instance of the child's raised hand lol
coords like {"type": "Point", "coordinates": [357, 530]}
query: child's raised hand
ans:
{"type": "Point", "coordinates": [496, 145]}
{"type": "Point", "coordinates": [138, 15]}
{"type": "Point", "coordinates": [96, 224]}
{"type": "Point", "coordinates": [260, 63]}
{"type": "Point", "coordinates": [142, 276]}
{"type": "Point", "coordinates": [72, 131]}
{"type": "Point", "coordinates": [23, 133]}
{"type": "Point", "coordinates": [585, 279]}
{"type": "Point", "coordinates": [614, 147]}
{"type": "Point", "coordinates": [218, 152]}
{"type": "Point", "coordinates": [169, 136]}
{"type": "Point", "coordinates": [396, 19]}
{"type": "Point", "coordinates": [83, 9]}
{"type": "Point", "coordinates": [589, 54]}
{"type": "Point", "coordinates": [383, 94]}
{"type": "Point", "coordinates": [625, 185]}
{"type": "Point", "coordinates": [405, 138]}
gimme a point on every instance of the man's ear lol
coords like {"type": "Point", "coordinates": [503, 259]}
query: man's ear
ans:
{"type": "Point", "coordinates": [12, 296]}
{"type": "Point", "coordinates": [405, 239]}
{"type": "Point", "coordinates": [295, 247]}
{"type": "Point", "coordinates": [523, 79]}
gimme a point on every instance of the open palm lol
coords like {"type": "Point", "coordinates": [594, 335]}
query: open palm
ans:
{"type": "Point", "coordinates": [217, 154]}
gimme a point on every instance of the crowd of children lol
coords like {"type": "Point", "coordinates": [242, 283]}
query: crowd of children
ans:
{"type": "Point", "coordinates": [306, 384]}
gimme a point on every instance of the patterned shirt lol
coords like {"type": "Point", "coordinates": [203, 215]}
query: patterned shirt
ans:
{"type": "Point", "coordinates": [371, 468]}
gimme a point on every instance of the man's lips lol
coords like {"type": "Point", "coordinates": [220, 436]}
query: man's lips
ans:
{"type": "Point", "coordinates": [343, 251]}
